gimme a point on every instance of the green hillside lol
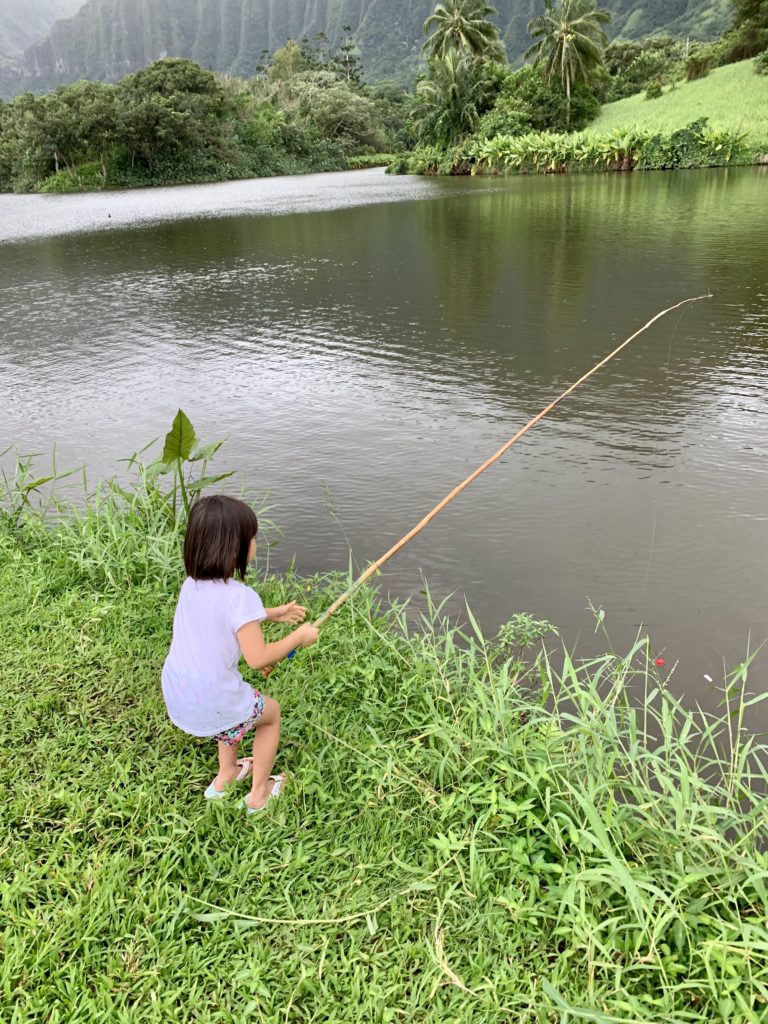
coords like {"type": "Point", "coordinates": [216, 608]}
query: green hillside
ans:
{"type": "Point", "coordinates": [109, 38]}
{"type": "Point", "coordinates": [732, 97]}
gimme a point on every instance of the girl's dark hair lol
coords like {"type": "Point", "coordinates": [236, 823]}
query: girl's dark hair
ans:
{"type": "Point", "coordinates": [219, 533]}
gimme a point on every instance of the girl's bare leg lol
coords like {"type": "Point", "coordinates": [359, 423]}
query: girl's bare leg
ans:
{"type": "Point", "coordinates": [265, 743]}
{"type": "Point", "coordinates": [228, 769]}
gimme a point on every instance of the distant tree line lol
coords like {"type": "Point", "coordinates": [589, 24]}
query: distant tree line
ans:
{"type": "Point", "coordinates": [308, 108]}
{"type": "Point", "coordinates": [173, 121]}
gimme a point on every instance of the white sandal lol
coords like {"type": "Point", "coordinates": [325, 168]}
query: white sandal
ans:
{"type": "Point", "coordinates": [246, 767]}
{"type": "Point", "coordinates": [278, 783]}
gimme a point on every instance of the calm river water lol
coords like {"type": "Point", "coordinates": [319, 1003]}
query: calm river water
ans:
{"type": "Point", "coordinates": [364, 342]}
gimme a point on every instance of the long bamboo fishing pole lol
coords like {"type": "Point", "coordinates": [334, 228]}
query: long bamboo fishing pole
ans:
{"type": "Point", "coordinates": [486, 465]}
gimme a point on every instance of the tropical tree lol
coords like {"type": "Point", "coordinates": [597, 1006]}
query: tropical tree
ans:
{"type": "Point", "coordinates": [463, 26]}
{"type": "Point", "coordinates": [569, 42]}
{"type": "Point", "coordinates": [452, 98]}
{"type": "Point", "coordinates": [750, 29]}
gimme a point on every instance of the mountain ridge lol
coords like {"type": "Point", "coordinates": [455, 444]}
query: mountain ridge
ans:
{"type": "Point", "coordinates": [25, 22]}
{"type": "Point", "coordinates": [107, 39]}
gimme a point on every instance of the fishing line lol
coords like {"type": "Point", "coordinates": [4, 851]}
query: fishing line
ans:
{"type": "Point", "coordinates": [376, 566]}
{"type": "Point", "coordinates": [671, 344]}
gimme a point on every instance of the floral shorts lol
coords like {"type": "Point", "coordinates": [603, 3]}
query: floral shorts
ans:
{"type": "Point", "coordinates": [233, 736]}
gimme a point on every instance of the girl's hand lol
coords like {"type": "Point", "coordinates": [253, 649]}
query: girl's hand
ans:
{"type": "Point", "coordinates": [306, 635]}
{"type": "Point", "coordinates": [291, 613]}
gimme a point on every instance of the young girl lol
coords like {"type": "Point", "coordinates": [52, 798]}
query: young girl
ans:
{"type": "Point", "coordinates": [217, 619]}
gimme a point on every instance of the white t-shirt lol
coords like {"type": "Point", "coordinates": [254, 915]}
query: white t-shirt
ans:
{"type": "Point", "coordinates": [203, 690]}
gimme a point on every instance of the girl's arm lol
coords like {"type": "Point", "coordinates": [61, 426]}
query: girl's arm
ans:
{"type": "Point", "coordinates": [259, 654]}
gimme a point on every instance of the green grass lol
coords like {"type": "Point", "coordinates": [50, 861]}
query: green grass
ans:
{"type": "Point", "coordinates": [734, 98]}
{"type": "Point", "coordinates": [358, 163]}
{"type": "Point", "coordinates": [459, 843]}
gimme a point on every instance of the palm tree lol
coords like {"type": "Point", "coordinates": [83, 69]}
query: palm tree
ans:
{"type": "Point", "coordinates": [451, 99]}
{"type": "Point", "coordinates": [464, 26]}
{"type": "Point", "coordinates": [569, 42]}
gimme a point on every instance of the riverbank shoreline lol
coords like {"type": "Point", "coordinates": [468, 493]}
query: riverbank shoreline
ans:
{"type": "Point", "coordinates": [695, 147]}
{"type": "Point", "coordinates": [472, 830]}
{"type": "Point", "coordinates": [68, 182]}
{"type": "Point", "coordinates": [36, 215]}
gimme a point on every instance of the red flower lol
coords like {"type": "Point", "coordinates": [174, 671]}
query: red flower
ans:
{"type": "Point", "coordinates": [660, 662]}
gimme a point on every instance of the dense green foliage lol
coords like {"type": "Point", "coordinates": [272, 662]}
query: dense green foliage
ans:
{"type": "Point", "coordinates": [750, 31]}
{"type": "Point", "coordinates": [176, 122]}
{"type": "Point", "coordinates": [467, 90]}
{"type": "Point", "coordinates": [111, 37]}
{"type": "Point", "coordinates": [464, 72]}
{"type": "Point", "coordinates": [526, 101]}
{"type": "Point", "coordinates": [462, 107]}
{"type": "Point", "coordinates": [453, 96]}
{"type": "Point", "coordinates": [697, 145]}
{"type": "Point", "coordinates": [632, 66]}
{"type": "Point", "coordinates": [462, 839]}
{"type": "Point", "coordinates": [569, 43]}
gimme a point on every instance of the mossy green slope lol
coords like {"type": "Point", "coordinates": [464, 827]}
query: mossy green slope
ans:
{"type": "Point", "coordinates": [733, 97]}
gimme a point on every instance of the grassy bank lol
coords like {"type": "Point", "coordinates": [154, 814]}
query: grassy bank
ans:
{"type": "Point", "coordinates": [461, 841]}
{"type": "Point", "coordinates": [718, 121]}
{"type": "Point", "coordinates": [733, 98]}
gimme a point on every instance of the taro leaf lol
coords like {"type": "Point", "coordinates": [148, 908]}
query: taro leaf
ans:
{"type": "Point", "coordinates": [206, 481]}
{"type": "Point", "coordinates": [180, 439]}
{"type": "Point", "coordinates": [158, 468]}
{"type": "Point", "coordinates": [206, 452]}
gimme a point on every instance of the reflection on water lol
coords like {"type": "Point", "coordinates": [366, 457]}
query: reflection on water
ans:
{"type": "Point", "coordinates": [379, 338]}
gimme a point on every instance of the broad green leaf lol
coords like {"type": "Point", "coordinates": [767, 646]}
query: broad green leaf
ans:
{"type": "Point", "coordinates": [206, 452]}
{"type": "Point", "coordinates": [180, 439]}
{"type": "Point", "coordinates": [158, 469]}
{"type": "Point", "coordinates": [206, 481]}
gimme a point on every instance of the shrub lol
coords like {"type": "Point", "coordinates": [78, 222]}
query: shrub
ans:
{"type": "Point", "coordinates": [693, 146]}
{"type": "Point", "coordinates": [697, 145]}
{"type": "Point", "coordinates": [86, 177]}
{"type": "Point", "coordinates": [761, 64]}
{"type": "Point", "coordinates": [698, 65]}
{"type": "Point", "coordinates": [370, 160]}
{"type": "Point", "coordinates": [655, 89]}
{"type": "Point", "coordinates": [400, 164]}
{"type": "Point", "coordinates": [508, 117]}
{"type": "Point", "coordinates": [541, 106]}
{"type": "Point", "coordinates": [705, 57]}
{"type": "Point", "coordinates": [632, 66]}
